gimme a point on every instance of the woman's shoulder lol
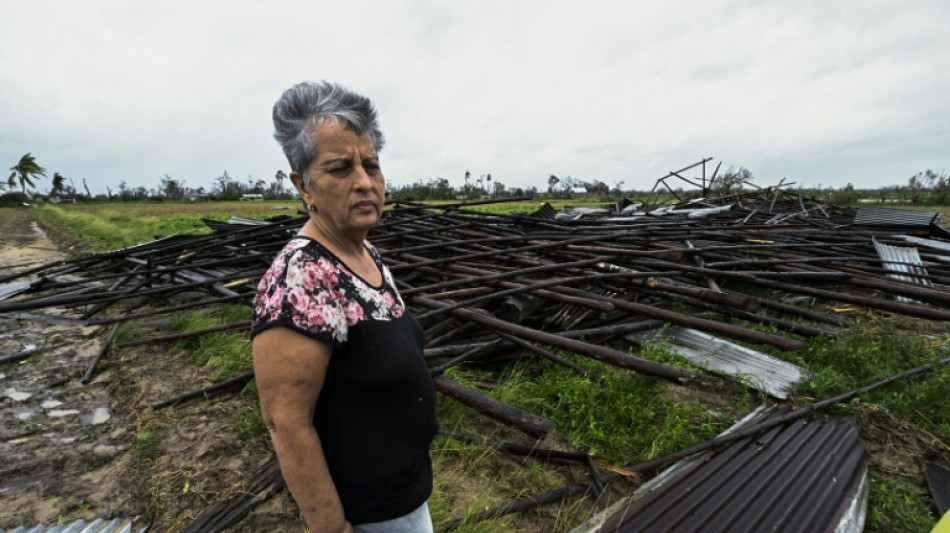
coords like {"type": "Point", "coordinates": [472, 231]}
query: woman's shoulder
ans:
{"type": "Point", "coordinates": [304, 249]}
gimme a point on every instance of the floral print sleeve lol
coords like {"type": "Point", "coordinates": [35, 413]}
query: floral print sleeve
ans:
{"type": "Point", "coordinates": [309, 290]}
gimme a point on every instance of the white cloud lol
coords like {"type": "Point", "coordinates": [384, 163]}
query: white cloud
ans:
{"type": "Point", "coordinates": [819, 92]}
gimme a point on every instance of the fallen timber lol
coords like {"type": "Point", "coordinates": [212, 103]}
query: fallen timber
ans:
{"type": "Point", "coordinates": [602, 353]}
{"type": "Point", "coordinates": [587, 280]}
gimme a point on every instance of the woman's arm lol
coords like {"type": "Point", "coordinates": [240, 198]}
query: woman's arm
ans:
{"type": "Point", "coordinates": [289, 369]}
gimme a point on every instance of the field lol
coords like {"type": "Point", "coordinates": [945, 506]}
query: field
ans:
{"type": "Point", "coordinates": [629, 417]}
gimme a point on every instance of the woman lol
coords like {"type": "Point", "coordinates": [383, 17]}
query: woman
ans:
{"type": "Point", "coordinates": [344, 389]}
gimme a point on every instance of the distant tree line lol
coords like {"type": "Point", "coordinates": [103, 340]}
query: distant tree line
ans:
{"type": "Point", "coordinates": [929, 187]}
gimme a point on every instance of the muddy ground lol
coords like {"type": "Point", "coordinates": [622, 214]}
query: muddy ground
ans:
{"type": "Point", "coordinates": [70, 450]}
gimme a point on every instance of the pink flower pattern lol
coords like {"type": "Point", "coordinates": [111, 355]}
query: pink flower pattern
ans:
{"type": "Point", "coordinates": [309, 289]}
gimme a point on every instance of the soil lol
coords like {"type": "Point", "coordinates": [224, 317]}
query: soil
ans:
{"type": "Point", "coordinates": [72, 451]}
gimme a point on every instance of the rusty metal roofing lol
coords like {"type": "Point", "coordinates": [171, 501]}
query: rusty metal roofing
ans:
{"type": "Point", "coordinates": [761, 371]}
{"type": "Point", "coordinates": [802, 476]}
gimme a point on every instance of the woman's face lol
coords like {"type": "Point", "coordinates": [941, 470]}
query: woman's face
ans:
{"type": "Point", "coordinates": [346, 182]}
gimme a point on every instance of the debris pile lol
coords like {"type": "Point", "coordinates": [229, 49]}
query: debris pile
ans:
{"type": "Point", "coordinates": [597, 283]}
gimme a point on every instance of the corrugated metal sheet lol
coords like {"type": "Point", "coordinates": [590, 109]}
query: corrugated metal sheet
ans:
{"type": "Point", "coordinates": [594, 524]}
{"type": "Point", "coordinates": [771, 375]}
{"type": "Point", "coordinates": [930, 243]}
{"type": "Point", "coordinates": [883, 216]}
{"type": "Point", "coordinates": [545, 211]}
{"type": "Point", "coordinates": [938, 479]}
{"type": "Point", "coordinates": [11, 289]}
{"type": "Point", "coordinates": [99, 525]}
{"type": "Point", "coordinates": [803, 476]}
{"type": "Point", "coordinates": [905, 263]}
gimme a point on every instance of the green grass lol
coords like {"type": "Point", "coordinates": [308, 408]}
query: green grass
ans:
{"type": "Point", "coordinates": [250, 424]}
{"type": "Point", "coordinates": [624, 420]}
{"type": "Point", "coordinates": [108, 230]}
{"type": "Point", "coordinates": [146, 443]}
{"type": "Point", "coordinates": [896, 505]}
{"type": "Point", "coordinates": [225, 352]}
{"type": "Point", "coordinates": [103, 227]}
{"type": "Point", "coordinates": [867, 353]}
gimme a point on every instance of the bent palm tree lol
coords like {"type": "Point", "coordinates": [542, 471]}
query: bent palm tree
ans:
{"type": "Point", "coordinates": [26, 171]}
{"type": "Point", "coordinates": [59, 184]}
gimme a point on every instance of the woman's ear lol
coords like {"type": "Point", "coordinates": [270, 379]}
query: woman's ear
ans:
{"type": "Point", "coordinates": [305, 193]}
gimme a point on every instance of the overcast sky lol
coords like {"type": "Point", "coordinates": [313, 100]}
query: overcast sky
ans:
{"type": "Point", "coordinates": [818, 92]}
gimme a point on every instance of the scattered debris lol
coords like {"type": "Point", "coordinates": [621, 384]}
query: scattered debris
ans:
{"type": "Point", "coordinates": [594, 282]}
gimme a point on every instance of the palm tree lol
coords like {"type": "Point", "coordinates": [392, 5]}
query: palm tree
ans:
{"type": "Point", "coordinates": [26, 170]}
{"type": "Point", "coordinates": [59, 184]}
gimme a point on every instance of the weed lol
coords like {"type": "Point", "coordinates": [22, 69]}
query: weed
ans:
{"type": "Point", "coordinates": [251, 423]}
{"type": "Point", "coordinates": [146, 443]}
{"type": "Point", "coordinates": [227, 352]}
{"type": "Point", "coordinates": [623, 420]}
{"type": "Point", "coordinates": [896, 505]}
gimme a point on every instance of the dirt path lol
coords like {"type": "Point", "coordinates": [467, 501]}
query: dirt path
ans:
{"type": "Point", "coordinates": [70, 450]}
{"type": "Point", "coordinates": [60, 450]}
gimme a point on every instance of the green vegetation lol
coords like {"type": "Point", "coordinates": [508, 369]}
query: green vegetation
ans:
{"type": "Point", "coordinates": [103, 227]}
{"type": "Point", "coordinates": [25, 171]}
{"type": "Point", "coordinates": [627, 419]}
{"type": "Point", "coordinates": [108, 230]}
{"type": "Point", "coordinates": [871, 351]}
{"type": "Point", "coordinates": [146, 443]}
{"type": "Point", "coordinates": [226, 353]}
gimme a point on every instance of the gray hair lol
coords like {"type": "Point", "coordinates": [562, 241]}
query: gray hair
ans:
{"type": "Point", "coordinates": [302, 109]}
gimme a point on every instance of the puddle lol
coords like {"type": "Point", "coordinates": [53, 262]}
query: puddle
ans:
{"type": "Point", "coordinates": [51, 404]}
{"type": "Point", "coordinates": [107, 450]}
{"type": "Point", "coordinates": [38, 231]}
{"type": "Point", "coordinates": [19, 484]}
{"type": "Point", "coordinates": [60, 413]}
{"type": "Point", "coordinates": [100, 415]}
{"type": "Point", "coordinates": [17, 396]}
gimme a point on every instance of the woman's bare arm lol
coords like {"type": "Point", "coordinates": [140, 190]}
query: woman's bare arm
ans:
{"type": "Point", "coordinates": [290, 369]}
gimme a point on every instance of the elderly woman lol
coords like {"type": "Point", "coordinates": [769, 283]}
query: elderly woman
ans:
{"type": "Point", "coordinates": [344, 389]}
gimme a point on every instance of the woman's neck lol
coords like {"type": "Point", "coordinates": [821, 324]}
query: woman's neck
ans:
{"type": "Point", "coordinates": [340, 244]}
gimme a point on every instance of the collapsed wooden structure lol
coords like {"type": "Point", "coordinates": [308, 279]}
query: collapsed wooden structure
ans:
{"type": "Point", "coordinates": [596, 283]}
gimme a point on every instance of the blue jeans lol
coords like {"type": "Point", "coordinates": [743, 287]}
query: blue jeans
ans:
{"type": "Point", "coordinates": [417, 521]}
